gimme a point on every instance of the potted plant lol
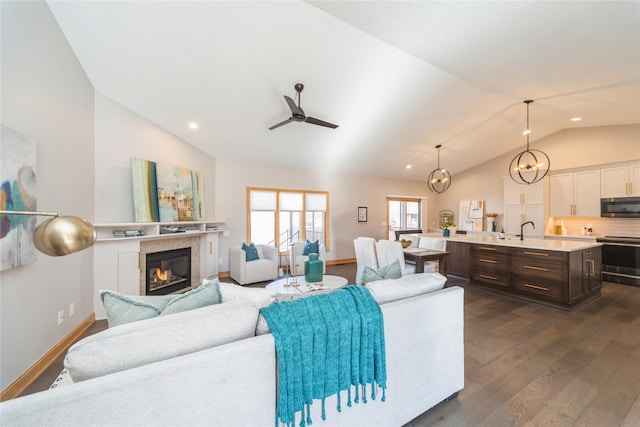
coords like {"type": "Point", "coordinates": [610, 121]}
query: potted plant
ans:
{"type": "Point", "coordinates": [448, 228]}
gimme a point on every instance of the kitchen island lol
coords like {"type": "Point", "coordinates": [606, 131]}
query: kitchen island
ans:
{"type": "Point", "coordinates": [562, 273]}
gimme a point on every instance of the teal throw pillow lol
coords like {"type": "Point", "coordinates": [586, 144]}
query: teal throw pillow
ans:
{"type": "Point", "coordinates": [121, 309]}
{"type": "Point", "coordinates": [390, 271]}
{"type": "Point", "coordinates": [251, 251]}
{"type": "Point", "coordinates": [311, 248]}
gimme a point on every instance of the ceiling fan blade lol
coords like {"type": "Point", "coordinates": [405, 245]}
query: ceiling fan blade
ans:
{"type": "Point", "coordinates": [280, 124]}
{"type": "Point", "coordinates": [319, 122]}
{"type": "Point", "coordinates": [295, 110]}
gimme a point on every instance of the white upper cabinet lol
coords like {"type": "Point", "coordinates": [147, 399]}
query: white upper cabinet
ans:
{"type": "Point", "coordinates": [575, 194]}
{"type": "Point", "coordinates": [620, 181]}
{"type": "Point", "coordinates": [523, 203]}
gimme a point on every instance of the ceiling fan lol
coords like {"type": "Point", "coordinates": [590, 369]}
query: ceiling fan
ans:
{"type": "Point", "coordinates": [297, 114]}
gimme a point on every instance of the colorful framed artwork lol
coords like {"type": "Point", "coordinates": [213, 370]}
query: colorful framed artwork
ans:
{"type": "Point", "coordinates": [166, 193]}
{"type": "Point", "coordinates": [18, 183]}
{"type": "Point", "coordinates": [145, 190]}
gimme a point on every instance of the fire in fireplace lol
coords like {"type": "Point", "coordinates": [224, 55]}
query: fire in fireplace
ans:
{"type": "Point", "coordinates": [168, 271]}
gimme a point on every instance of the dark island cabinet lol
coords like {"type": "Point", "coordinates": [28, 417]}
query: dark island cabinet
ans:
{"type": "Point", "coordinates": [491, 265]}
{"type": "Point", "coordinates": [458, 259]}
{"type": "Point", "coordinates": [560, 278]}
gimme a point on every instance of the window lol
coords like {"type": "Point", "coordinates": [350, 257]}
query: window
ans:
{"type": "Point", "coordinates": [403, 214]}
{"type": "Point", "coordinates": [282, 217]}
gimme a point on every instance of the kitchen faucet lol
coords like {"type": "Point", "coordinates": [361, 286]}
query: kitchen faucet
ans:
{"type": "Point", "coordinates": [522, 228]}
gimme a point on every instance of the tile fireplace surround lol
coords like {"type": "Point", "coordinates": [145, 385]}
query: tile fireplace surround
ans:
{"type": "Point", "coordinates": [120, 262]}
{"type": "Point", "coordinates": [167, 245]}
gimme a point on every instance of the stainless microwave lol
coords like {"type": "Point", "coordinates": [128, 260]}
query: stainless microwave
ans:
{"type": "Point", "coordinates": [620, 207]}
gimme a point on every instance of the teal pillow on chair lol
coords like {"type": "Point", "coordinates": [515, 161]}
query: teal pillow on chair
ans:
{"type": "Point", "coordinates": [122, 309]}
{"type": "Point", "coordinates": [311, 248]}
{"type": "Point", "coordinates": [251, 251]}
{"type": "Point", "coordinates": [391, 271]}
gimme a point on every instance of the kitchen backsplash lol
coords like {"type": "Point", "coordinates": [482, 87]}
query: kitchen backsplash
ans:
{"type": "Point", "coordinates": [627, 227]}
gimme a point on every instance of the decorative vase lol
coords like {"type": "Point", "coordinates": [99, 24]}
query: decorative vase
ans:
{"type": "Point", "coordinates": [313, 269]}
{"type": "Point", "coordinates": [446, 232]}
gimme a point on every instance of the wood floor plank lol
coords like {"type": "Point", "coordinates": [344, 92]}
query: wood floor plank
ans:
{"type": "Point", "coordinates": [572, 400]}
{"type": "Point", "coordinates": [633, 416]}
{"type": "Point", "coordinates": [620, 392]}
{"type": "Point", "coordinates": [524, 405]}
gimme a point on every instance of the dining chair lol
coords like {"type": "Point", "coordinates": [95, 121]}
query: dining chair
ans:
{"type": "Point", "coordinates": [434, 244]}
{"type": "Point", "coordinates": [365, 255]}
{"type": "Point", "coordinates": [389, 251]}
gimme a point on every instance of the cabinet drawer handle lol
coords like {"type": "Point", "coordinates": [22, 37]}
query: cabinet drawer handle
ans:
{"type": "Point", "coordinates": [535, 253]}
{"type": "Point", "coordinates": [530, 267]}
{"type": "Point", "coordinates": [485, 248]}
{"type": "Point", "coordinates": [484, 276]}
{"type": "Point", "coordinates": [490, 261]}
{"type": "Point", "coordinates": [540, 288]}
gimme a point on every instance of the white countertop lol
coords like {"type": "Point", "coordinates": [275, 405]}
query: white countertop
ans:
{"type": "Point", "coordinates": [550, 245]}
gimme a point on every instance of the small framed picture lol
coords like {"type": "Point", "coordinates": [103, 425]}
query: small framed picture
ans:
{"type": "Point", "coordinates": [362, 214]}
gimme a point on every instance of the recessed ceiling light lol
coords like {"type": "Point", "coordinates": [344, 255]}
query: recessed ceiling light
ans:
{"type": "Point", "coordinates": [193, 125]}
{"type": "Point", "coordinates": [576, 119]}
{"type": "Point", "coordinates": [408, 167]}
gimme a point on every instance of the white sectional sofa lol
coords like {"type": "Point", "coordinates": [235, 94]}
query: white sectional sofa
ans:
{"type": "Point", "coordinates": [177, 370]}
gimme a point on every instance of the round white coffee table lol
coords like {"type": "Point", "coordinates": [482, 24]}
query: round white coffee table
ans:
{"type": "Point", "coordinates": [329, 283]}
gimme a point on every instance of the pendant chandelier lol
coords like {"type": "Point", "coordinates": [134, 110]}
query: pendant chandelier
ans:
{"type": "Point", "coordinates": [529, 166]}
{"type": "Point", "coordinates": [439, 180]}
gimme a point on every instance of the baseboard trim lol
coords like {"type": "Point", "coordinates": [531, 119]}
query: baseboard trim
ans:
{"type": "Point", "coordinates": [20, 385]}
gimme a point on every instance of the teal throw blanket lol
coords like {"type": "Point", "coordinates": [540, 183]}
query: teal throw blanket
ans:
{"type": "Point", "coordinates": [326, 343]}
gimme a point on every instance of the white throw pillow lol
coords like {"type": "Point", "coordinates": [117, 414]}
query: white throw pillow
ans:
{"type": "Point", "coordinates": [405, 287]}
{"type": "Point", "coordinates": [259, 297]}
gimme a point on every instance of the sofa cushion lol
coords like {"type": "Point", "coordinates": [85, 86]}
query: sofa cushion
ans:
{"type": "Point", "coordinates": [311, 248]}
{"type": "Point", "coordinates": [405, 287]}
{"type": "Point", "coordinates": [251, 251]}
{"type": "Point", "coordinates": [390, 271]}
{"type": "Point", "coordinates": [135, 344]}
{"type": "Point", "coordinates": [122, 309]}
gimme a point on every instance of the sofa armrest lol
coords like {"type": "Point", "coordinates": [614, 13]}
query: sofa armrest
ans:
{"type": "Point", "coordinates": [237, 260]}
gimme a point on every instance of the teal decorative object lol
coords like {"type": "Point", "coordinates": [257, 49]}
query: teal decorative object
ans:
{"type": "Point", "coordinates": [446, 232]}
{"type": "Point", "coordinates": [313, 269]}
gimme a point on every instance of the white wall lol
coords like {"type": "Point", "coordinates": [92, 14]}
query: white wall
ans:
{"type": "Point", "coordinates": [47, 96]}
{"type": "Point", "coordinates": [568, 148]}
{"type": "Point", "coordinates": [122, 134]}
{"type": "Point", "coordinates": [346, 193]}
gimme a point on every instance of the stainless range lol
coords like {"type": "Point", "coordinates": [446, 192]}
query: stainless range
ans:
{"type": "Point", "coordinates": [621, 259]}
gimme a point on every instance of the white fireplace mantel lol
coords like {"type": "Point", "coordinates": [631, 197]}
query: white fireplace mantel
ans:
{"type": "Point", "coordinates": [117, 263]}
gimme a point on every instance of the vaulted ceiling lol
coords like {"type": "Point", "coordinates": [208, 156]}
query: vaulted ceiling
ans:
{"type": "Point", "coordinates": [397, 77]}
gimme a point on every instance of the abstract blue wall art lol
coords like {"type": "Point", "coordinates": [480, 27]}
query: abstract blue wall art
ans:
{"type": "Point", "coordinates": [18, 192]}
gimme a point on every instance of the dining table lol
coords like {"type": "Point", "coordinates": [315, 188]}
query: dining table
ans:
{"type": "Point", "coordinates": [420, 256]}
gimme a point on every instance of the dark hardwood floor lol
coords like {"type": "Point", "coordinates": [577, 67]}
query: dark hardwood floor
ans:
{"type": "Point", "coordinates": [531, 365]}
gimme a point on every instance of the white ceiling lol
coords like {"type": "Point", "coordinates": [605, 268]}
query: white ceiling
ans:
{"type": "Point", "coordinates": [398, 77]}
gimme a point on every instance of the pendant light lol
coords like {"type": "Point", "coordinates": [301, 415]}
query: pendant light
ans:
{"type": "Point", "coordinates": [439, 180]}
{"type": "Point", "coordinates": [529, 166]}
